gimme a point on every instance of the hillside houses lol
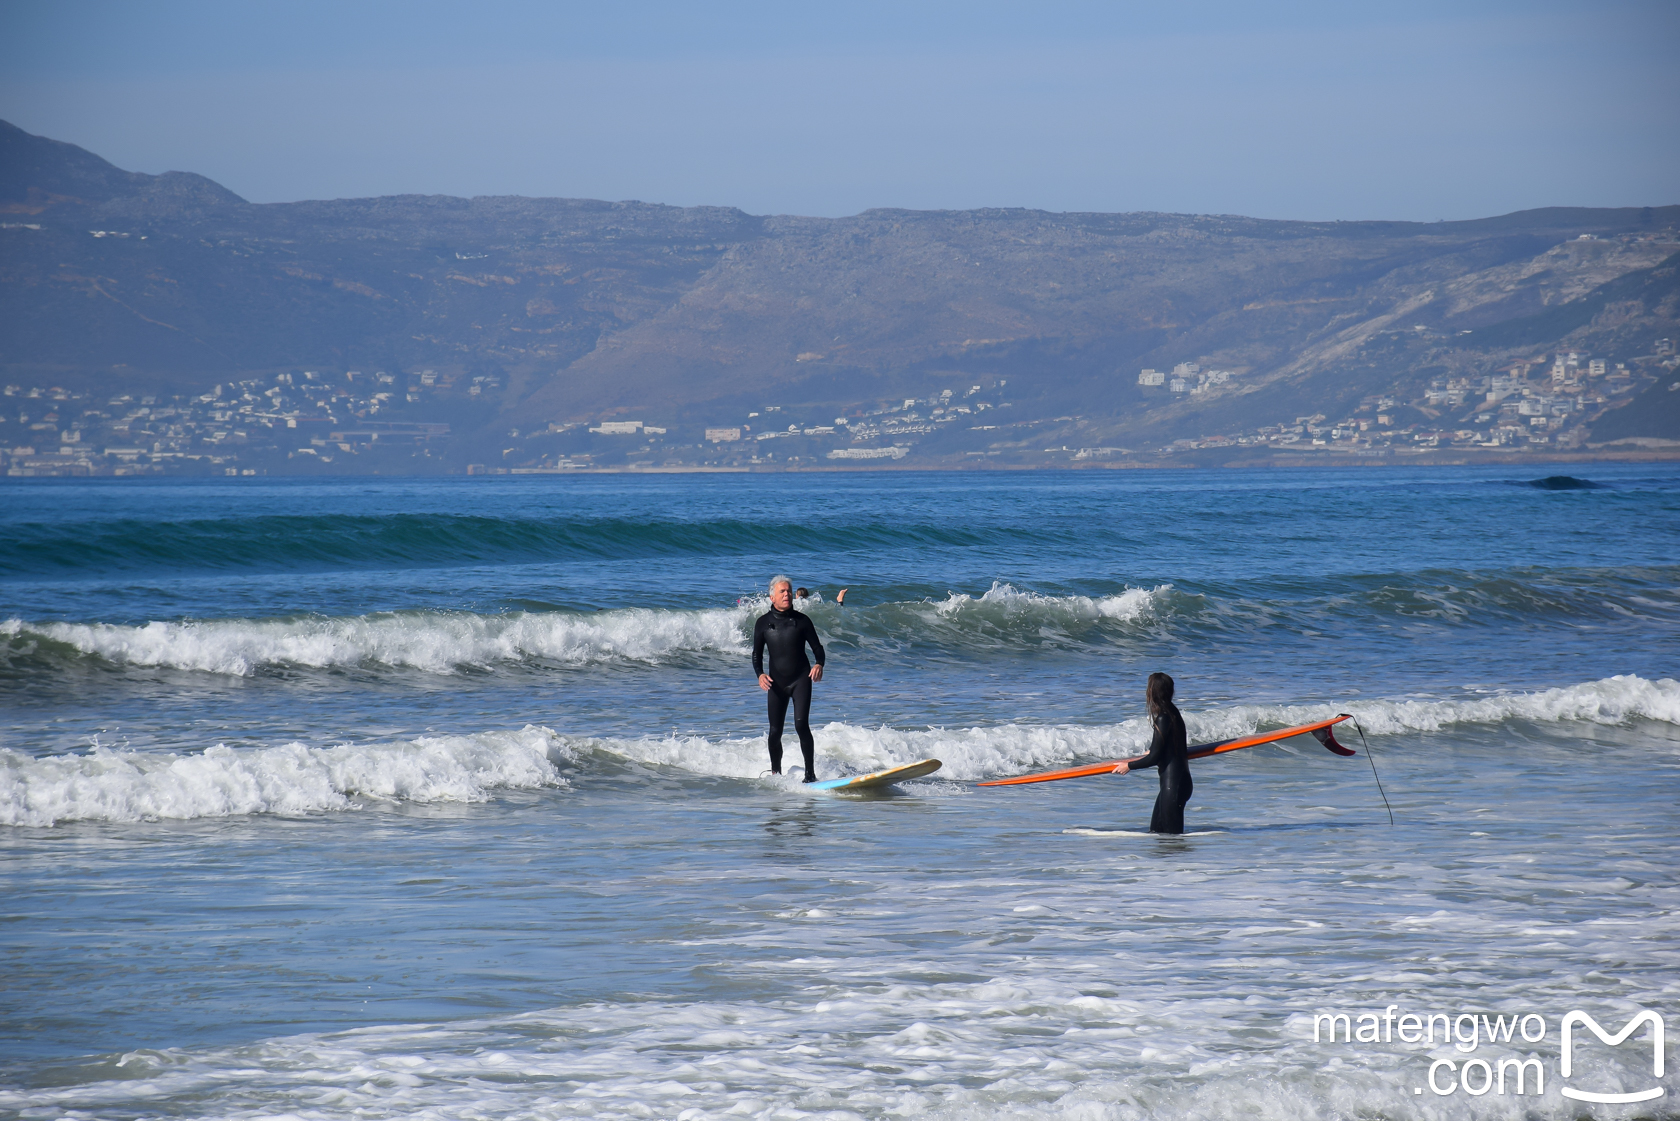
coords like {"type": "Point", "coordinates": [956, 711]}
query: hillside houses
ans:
{"type": "Point", "coordinates": [1546, 400]}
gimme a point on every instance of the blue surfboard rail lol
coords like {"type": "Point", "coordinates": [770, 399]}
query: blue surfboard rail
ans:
{"type": "Point", "coordinates": [879, 778]}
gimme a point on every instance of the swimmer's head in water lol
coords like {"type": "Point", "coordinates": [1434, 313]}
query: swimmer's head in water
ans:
{"type": "Point", "coordinates": [1160, 693]}
{"type": "Point", "coordinates": [802, 593]}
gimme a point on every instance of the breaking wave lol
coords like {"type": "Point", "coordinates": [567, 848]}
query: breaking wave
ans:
{"type": "Point", "coordinates": [441, 642]}
{"type": "Point", "coordinates": [438, 642]}
{"type": "Point", "coordinates": [1003, 600]}
{"type": "Point", "coordinates": [1001, 618]}
{"type": "Point", "coordinates": [107, 785]}
{"type": "Point", "coordinates": [294, 778]}
{"type": "Point", "coordinates": [971, 754]}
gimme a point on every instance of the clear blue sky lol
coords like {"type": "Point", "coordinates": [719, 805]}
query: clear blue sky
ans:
{"type": "Point", "coordinates": [1416, 110]}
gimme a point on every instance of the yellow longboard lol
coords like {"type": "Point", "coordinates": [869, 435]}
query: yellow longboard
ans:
{"type": "Point", "coordinates": [878, 779]}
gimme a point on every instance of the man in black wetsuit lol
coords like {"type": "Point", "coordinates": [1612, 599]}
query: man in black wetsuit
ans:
{"type": "Point", "coordinates": [785, 633]}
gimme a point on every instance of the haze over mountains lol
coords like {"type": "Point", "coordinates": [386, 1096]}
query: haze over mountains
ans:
{"type": "Point", "coordinates": [522, 323]}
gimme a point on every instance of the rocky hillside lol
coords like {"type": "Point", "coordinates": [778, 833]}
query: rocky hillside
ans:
{"type": "Point", "coordinates": [912, 338]}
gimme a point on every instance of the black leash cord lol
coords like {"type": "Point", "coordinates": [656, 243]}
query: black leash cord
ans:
{"type": "Point", "coordinates": [1369, 758]}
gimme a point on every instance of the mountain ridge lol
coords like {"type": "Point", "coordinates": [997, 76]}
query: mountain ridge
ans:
{"type": "Point", "coordinates": [566, 311]}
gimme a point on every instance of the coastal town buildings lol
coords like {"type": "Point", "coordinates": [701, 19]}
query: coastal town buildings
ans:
{"type": "Point", "coordinates": [378, 420]}
{"type": "Point", "coordinates": [1505, 410]}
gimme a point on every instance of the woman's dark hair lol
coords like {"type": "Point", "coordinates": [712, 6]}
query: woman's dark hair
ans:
{"type": "Point", "coordinates": [1160, 694]}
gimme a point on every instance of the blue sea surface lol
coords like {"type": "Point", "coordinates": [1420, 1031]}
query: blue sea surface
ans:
{"type": "Point", "coordinates": [446, 797]}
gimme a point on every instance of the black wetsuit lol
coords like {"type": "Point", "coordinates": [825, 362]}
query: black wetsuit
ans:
{"type": "Point", "coordinates": [784, 635]}
{"type": "Point", "coordinates": [1168, 751]}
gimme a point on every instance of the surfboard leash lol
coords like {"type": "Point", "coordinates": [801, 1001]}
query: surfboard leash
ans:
{"type": "Point", "coordinates": [1371, 759]}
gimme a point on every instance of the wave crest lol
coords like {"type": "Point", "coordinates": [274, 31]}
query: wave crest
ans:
{"type": "Point", "coordinates": [106, 785]}
{"type": "Point", "coordinates": [442, 642]}
{"type": "Point", "coordinates": [438, 642]}
{"type": "Point", "coordinates": [971, 754]}
{"type": "Point", "coordinates": [1610, 700]}
{"type": "Point", "coordinates": [294, 778]}
{"type": "Point", "coordinates": [1130, 605]}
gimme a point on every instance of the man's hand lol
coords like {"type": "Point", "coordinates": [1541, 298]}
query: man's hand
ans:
{"type": "Point", "coordinates": [764, 682]}
{"type": "Point", "coordinates": [1121, 769]}
{"type": "Point", "coordinates": [816, 673]}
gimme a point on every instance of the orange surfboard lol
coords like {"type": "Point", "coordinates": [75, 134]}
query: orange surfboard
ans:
{"type": "Point", "coordinates": [1320, 731]}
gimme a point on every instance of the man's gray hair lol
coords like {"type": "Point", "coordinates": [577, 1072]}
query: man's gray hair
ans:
{"type": "Point", "coordinates": [774, 580]}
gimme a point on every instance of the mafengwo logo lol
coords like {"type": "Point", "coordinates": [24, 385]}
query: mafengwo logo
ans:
{"type": "Point", "coordinates": [1656, 1037]}
{"type": "Point", "coordinates": [1504, 1074]}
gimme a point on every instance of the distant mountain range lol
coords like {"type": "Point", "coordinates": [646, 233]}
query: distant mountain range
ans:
{"type": "Point", "coordinates": [903, 338]}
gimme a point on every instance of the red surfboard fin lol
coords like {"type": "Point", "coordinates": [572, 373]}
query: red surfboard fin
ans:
{"type": "Point", "coordinates": [1327, 737]}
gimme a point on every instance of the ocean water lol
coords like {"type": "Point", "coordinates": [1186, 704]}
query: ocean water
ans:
{"type": "Point", "coordinates": [445, 798]}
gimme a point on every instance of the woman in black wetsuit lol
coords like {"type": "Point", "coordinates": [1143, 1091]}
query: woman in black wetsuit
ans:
{"type": "Point", "coordinates": [1167, 751]}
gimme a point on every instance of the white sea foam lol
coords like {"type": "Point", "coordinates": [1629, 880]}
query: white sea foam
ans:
{"type": "Point", "coordinates": [106, 785]}
{"type": "Point", "coordinates": [442, 642]}
{"type": "Point", "coordinates": [971, 754]}
{"type": "Point", "coordinates": [294, 778]}
{"type": "Point", "coordinates": [434, 641]}
{"type": "Point", "coordinates": [1610, 700]}
{"type": "Point", "coordinates": [851, 1046]}
{"type": "Point", "coordinates": [968, 753]}
{"type": "Point", "coordinates": [1129, 605]}
{"type": "Point", "coordinates": [759, 602]}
